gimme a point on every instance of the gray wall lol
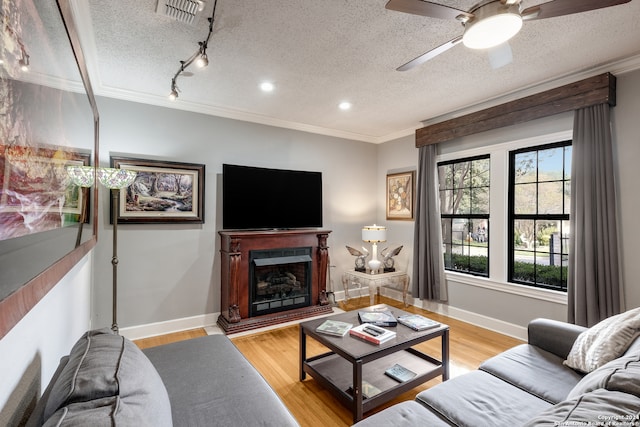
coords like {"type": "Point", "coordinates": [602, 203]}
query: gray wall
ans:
{"type": "Point", "coordinates": [169, 272]}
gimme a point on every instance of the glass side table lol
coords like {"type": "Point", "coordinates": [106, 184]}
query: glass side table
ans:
{"type": "Point", "coordinates": [374, 281]}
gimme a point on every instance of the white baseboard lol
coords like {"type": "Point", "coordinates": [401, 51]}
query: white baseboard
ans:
{"type": "Point", "coordinates": [496, 325]}
{"type": "Point", "coordinates": [169, 326]}
{"type": "Point", "coordinates": [208, 320]}
{"type": "Point", "coordinates": [490, 323]}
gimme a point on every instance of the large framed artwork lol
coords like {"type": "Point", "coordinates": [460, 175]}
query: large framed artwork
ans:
{"type": "Point", "coordinates": [49, 121]}
{"type": "Point", "coordinates": [36, 194]}
{"type": "Point", "coordinates": [163, 192]}
{"type": "Point", "coordinates": [400, 194]}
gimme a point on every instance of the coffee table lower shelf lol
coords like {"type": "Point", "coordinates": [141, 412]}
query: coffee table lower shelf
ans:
{"type": "Point", "coordinates": [336, 374]}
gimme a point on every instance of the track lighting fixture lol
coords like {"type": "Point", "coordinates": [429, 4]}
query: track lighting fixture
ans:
{"type": "Point", "coordinates": [199, 57]}
{"type": "Point", "coordinates": [174, 90]}
{"type": "Point", "coordinates": [24, 61]}
{"type": "Point", "coordinates": [202, 60]}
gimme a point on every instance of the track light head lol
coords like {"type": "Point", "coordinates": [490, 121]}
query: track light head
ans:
{"type": "Point", "coordinates": [24, 62]}
{"type": "Point", "coordinates": [202, 60]}
{"type": "Point", "coordinates": [174, 91]}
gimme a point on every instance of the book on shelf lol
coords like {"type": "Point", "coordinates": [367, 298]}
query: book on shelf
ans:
{"type": "Point", "coordinates": [379, 315]}
{"type": "Point", "coordinates": [400, 373]}
{"type": "Point", "coordinates": [334, 327]}
{"type": "Point", "coordinates": [417, 322]}
{"type": "Point", "coordinates": [368, 390]}
{"type": "Point", "coordinates": [372, 333]}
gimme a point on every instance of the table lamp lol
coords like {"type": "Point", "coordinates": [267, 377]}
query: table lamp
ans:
{"type": "Point", "coordinates": [374, 234]}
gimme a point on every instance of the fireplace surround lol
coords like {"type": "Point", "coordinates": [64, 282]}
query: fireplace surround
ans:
{"type": "Point", "coordinates": [272, 277]}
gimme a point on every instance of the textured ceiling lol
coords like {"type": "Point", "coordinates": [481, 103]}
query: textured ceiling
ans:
{"type": "Point", "coordinates": [318, 53]}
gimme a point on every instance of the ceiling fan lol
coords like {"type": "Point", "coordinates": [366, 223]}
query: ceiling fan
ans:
{"type": "Point", "coordinates": [491, 22]}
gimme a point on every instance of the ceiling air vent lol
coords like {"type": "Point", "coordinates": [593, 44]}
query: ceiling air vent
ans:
{"type": "Point", "coordinates": [187, 11]}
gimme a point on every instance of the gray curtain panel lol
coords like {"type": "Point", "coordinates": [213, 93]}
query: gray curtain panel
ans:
{"type": "Point", "coordinates": [594, 286]}
{"type": "Point", "coordinates": [428, 265]}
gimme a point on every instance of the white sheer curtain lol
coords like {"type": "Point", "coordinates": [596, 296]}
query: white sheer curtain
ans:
{"type": "Point", "coordinates": [428, 265]}
{"type": "Point", "coordinates": [594, 287]}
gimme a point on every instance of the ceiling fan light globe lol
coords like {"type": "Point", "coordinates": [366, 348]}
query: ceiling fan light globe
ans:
{"type": "Point", "coordinates": [492, 25]}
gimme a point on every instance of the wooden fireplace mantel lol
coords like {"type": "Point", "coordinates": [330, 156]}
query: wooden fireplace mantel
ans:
{"type": "Point", "coordinates": [235, 247]}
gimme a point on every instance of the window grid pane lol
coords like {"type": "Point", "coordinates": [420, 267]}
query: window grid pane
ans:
{"type": "Point", "coordinates": [539, 215]}
{"type": "Point", "coordinates": [464, 207]}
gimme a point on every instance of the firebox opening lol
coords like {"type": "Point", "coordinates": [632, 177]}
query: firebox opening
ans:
{"type": "Point", "coordinates": [280, 280]}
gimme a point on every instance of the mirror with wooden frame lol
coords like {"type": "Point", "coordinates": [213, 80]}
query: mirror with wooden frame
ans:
{"type": "Point", "coordinates": [49, 121]}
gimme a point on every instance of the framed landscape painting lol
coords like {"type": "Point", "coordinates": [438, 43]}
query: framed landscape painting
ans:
{"type": "Point", "coordinates": [400, 194]}
{"type": "Point", "coordinates": [163, 192]}
{"type": "Point", "coordinates": [36, 194]}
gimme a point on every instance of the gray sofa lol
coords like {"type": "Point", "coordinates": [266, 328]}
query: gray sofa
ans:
{"type": "Point", "coordinates": [107, 381]}
{"type": "Point", "coordinates": [529, 385]}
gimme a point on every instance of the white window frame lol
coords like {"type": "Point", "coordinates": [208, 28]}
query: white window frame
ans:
{"type": "Point", "coordinates": [498, 218]}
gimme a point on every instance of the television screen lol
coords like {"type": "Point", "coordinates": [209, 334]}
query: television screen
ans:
{"type": "Point", "coordinates": [260, 198]}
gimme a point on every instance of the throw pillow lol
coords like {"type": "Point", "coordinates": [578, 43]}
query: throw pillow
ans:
{"type": "Point", "coordinates": [104, 368]}
{"type": "Point", "coordinates": [90, 372]}
{"type": "Point", "coordinates": [604, 342]}
{"type": "Point", "coordinates": [621, 374]}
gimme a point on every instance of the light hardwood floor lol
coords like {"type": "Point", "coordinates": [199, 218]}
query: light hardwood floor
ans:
{"type": "Point", "coordinates": [275, 355]}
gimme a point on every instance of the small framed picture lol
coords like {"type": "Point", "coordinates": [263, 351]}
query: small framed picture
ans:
{"type": "Point", "coordinates": [163, 192]}
{"type": "Point", "coordinates": [400, 194]}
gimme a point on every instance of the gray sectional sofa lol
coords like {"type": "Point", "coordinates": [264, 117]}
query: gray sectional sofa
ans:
{"type": "Point", "coordinates": [530, 384]}
{"type": "Point", "coordinates": [107, 381]}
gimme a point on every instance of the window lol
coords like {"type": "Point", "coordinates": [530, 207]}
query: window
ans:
{"type": "Point", "coordinates": [464, 209]}
{"type": "Point", "coordinates": [539, 203]}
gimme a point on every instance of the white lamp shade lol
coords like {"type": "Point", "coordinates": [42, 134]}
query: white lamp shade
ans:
{"type": "Point", "coordinates": [374, 233]}
{"type": "Point", "coordinates": [116, 178]}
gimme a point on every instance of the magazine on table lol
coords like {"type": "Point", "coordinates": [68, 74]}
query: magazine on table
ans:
{"type": "Point", "coordinates": [417, 322]}
{"type": "Point", "coordinates": [400, 373]}
{"type": "Point", "coordinates": [334, 327]}
{"type": "Point", "coordinates": [379, 315]}
{"type": "Point", "coordinates": [372, 333]}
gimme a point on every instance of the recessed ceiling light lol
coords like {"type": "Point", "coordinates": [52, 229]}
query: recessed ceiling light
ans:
{"type": "Point", "coordinates": [267, 87]}
{"type": "Point", "coordinates": [344, 105]}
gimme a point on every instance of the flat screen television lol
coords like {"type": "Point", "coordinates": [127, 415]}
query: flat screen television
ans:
{"type": "Point", "coordinates": [256, 198]}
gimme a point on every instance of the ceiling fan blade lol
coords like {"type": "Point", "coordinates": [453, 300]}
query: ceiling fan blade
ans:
{"type": "Point", "coordinates": [566, 7]}
{"type": "Point", "coordinates": [429, 55]}
{"type": "Point", "coordinates": [425, 8]}
{"type": "Point", "coordinates": [500, 55]}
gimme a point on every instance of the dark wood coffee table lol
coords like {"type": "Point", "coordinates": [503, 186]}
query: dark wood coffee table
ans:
{"type": "Point", "coordinates": [351, 360]}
